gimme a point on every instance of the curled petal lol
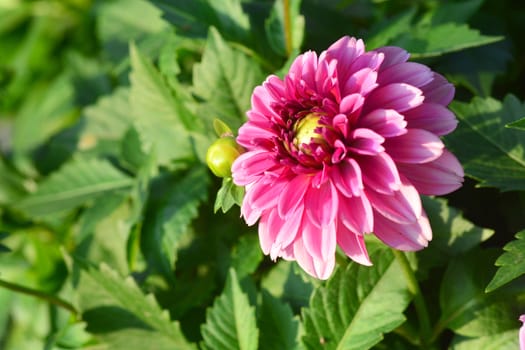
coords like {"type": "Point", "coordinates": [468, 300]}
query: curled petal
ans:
{"type": "Point", "coordinates": [366, 142]}
{"type": "Point", "coordinates": [432, 117]}
{"type": "Point", "coordinates": [353, 245]}
{"type": "Point", "coordinates": [385, 122]}
{"type": "Point", "coordinates": [347, 178]}
{"type": "Point", "coordinates": [380, 173]}
{"type": "Point", "coordinates": [439, 177]}
{"type": "Point", "coordinates": [292, 195]}
{"type": "Point", "coordinates": [403, 236]}
{"type": "Point", "coordinates": [416, 146]}
{"type": "Point", "coordinates": [398, 96]}
{"type": "Point", "coordinates": [321, 269]}
{"type": "Point", "coordinates": [355, 213]}
{"type": "Point", "coordinates": [322, 204]}
{"type": "Point", "coordinates": [250, 166]}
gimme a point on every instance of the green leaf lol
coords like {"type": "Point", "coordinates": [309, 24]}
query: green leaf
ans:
{"type": "Point", "coordinates": [161, 120]}
{"type": "Point", "coordinates": [279, 328]}
{"type": "Point", "coordinates": [77, 182]}
{"type": "Point", "coordinates": [246, 255]}
{"type": "Point", "coordinates": [117, 311]}
{"type": "Point", "coordinates": [224, 79]}
{"type": "Point", "coordinates": [466, 308]}
{"type": "Point", "coordinates": [389, 29]}
{"type": "Point", "coordinates": [228, 195]}
{"type": "Point", "coordinates": [357, 305]}
{"type": "Point", "coordinates": [11, 184]}
{"type": "Point", "coordinates": [511, 263]}
{"type": "Point", "coordinates": [429, 41]}
{"type": "Point", "coordinates": [518, 124]}
{"type": "Point", "coordinates": [230, 322]}
{"type": "Point", "coordinates": [170, 215]}
{"type": "Point", "coordinates": [194, 18]}
{"type": "Point", "coordinates": [453, 235]}
{"type": "Point", "coordinates": [458, 12]}
{"type": "Point", "coordinates": [507, 340]}
{"type": "Point", "coordinates": [285, 40]}
{"type": "Point", "coordinates": [488, 151]}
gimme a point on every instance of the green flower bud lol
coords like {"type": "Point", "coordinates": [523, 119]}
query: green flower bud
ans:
{"type": "Point", "coordinates": [221, 154]}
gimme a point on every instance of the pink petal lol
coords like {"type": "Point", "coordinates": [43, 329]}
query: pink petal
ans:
{"type": "Point", "coordinates": [439, 177]}
{"type": "Point", "coordinates": [321, 269]}
{"type": "Point", "coordinates": [366, 142]}
{"type": "Point", "coordinates": [250, 166]}
{"type": "Point", "coordinates": [398, 96]}
{"type": "Point", "coordinates": [259, 197]}
{"type": "Point", "coordinates": [347, 178]}
{"type": "Point", "coordinates": [407, 237]}
{"type": "Point", "coordinates": [439, 90]}
{"type": "Point", "coordinates": [262, 100]}
{"type": "Point", "coordinates": [393, 56]}
{"type": "Point", "coordinates": [432, 117]}
{"type": "Point", "coordinates": [351, 103]}
{"type": "Point", "coordinates": [267, 231]}
{"type": "Point", "coordinates": [353, 245]}
{"type": "Point", "coordinates": [322, 204]}
{"type": "Point", "coordinates": [292, 195]}
{"type": "Point", "coordinates": [380, 173]}
{"type": "Point", "coordinates": [411, 73]}
{"type": "Point", "coordinates": [361, 82]}
{"type": "Point", "coordinates": [403, 206]}
{"type": "Point", "coordinates": [320, 243]}
{"type": "Point", "coordinates": [371, 60]}
{"type": "Point", "coordinates": [522, 333]}
{"type": "Point", "coordinates": [286, 232]}
{"type": "Point", "coordinates": [355, 213]}
{"type": "Point", "coordinates": [416, 146]}
{"type": "Point", "coordinates": [345, 51]}
{"type": "Point", "coordinates": [251, 135]}
{"type": "Point", "coordinates": [385, 122]}
{"type": "Point", "coordinates": [275, 87]}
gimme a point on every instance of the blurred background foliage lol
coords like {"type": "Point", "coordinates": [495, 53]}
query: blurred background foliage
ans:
{"type": "Point", "coordinates": [106, 112]}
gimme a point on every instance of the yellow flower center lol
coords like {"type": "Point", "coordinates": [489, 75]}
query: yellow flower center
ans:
{"type": "Point", "coordinates": [305, 131]}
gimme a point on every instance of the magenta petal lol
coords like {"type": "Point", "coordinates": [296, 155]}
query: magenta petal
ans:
{"type": "Point", "coordinates": [292, 195]}
{"type": "Point", "coordinates": [416, 146]}
{"type": "Point", "coordinates": [351, 103]}
{"type": "Point", "coordinates": [439, 177]}
{"type": "Point", "coordinates": [407, 237]}
{"type": "Point", "coordinates": [411, 73]}
{"type": "Point", "coordinates": [267, 232]}
{"type": "Point", "coordinates": [366, 142]}
{"type": "Point", "coordinates": [322, 204]}
{"type": "Point", "coordinates": [432, 117]}
{"type": "Point", "coordinates": [353, 245]}
{"type": "Point", "coordinates": [380, 173]}
{"type": "Point", "coordinates": [249, 166]}
{"type": "Point", "coordinates": [355, 213]}
{"type": "Point", "coordinates": [403, 206]}
{"type": "Point", "coordinates": [398, 96]}
{"type": "Point", "coordinates": [439, 90]}
{"type": "Point", "coordinates": [347, 178]}
{"type": "Point", "coordinates": [320, 243]}
{"type": "Point", "coordinates": [393, 56]}
{"type": "Point", "coordinates": [361, 82]}
{"type": "Point", "coordinates": [315, 267]}
{"type": "Point", "coordinates": [385, 122]}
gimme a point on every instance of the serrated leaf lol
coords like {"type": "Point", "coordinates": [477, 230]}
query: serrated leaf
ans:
{"type": "Point", "coordinates": [224, 79]}
{"type": "Point", "coordinates": [228, 195]}
{"type": "Point", "coordinates": [344, 316]}
{"type": "Point", "coordinates": [279, 328]}
{"type": "Point", "coordinates": [518, 124]}
{"type": "Point", "coordinates": [429, 41]}
{"type": "Point", "coordinates": [161, 120]}
{"type": "Point", "coordinates": [116, 310]}
{"type": "Point", "coordinates": [465, 307]}
{"type": "Point", "coordinates": [511, 263]}
{"type": "Point", "coordinates": [488, 151]}
{"type": "Point", "coordinates": [452, 234]}
{"type": "Point", "coordinates": [230, 322]}
{"type": "Point", "coordinates": [169, 217]}
{"type": "Point", "coordinates": [194, 18]}
{"type": "Point", "coordinates": [507, 340]}
{"type": "Point", "coordinates": [77, 182]}
{"type": "Point", "coordinates": [285, 27]}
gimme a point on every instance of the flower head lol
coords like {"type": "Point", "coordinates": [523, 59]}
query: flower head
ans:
{"type": "Point", "coordinates": [342, 147]}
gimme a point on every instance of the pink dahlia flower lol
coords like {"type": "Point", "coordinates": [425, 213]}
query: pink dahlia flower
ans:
{"type": "Point", "coordinates": [342, 147]}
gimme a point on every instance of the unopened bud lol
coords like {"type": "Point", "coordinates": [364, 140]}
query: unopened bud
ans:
{"type": "Point", "coordinates": [221, 155]}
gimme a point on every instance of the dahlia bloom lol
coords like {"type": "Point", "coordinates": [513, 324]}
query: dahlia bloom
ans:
{"type": "Point", "coordinates": [342, 147]}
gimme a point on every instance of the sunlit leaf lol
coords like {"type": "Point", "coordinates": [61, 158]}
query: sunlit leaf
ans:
{"type": "Point", "coordinates": [342, 316]}
{"type": "Point", "coordinates": [279, 328]}
{"type": "Point", "coordinates": [488, 151]}
{"type": "Point", "coordinates": [507, 340]}
{"type": "Point", "coordinates": [77, 182]}
{"type": "Point", "coordinates": [230, 322]}
{"type": "Point", "coordinates": [511, 263]}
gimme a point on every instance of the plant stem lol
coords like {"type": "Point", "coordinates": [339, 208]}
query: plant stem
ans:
{"type": "Point", "coordinates": [38, 294]}
{"type": "Point", "coordinates": [287, 27]}
{"type": "Point", "coordinates": [419, 301]}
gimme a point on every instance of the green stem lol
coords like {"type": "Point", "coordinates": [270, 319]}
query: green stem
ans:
{"type": "Point", "coordinates": [419, 301]}
{"type": "Point", "coordinates": [287, 27]}
{"type": "Point", "coordinates": [38, 294]}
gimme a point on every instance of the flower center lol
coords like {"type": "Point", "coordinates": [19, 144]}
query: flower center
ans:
{"type": "Point", "coordinates": [305, 133]}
